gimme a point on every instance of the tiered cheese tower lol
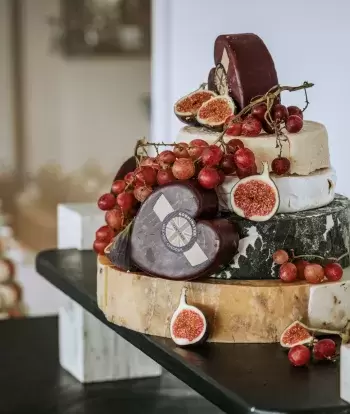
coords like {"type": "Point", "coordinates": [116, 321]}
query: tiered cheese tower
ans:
{"type": "Point", "coordinates": [178, 248]}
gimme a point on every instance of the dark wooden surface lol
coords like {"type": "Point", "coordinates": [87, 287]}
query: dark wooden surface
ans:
{"type": "Point", "coordinates": [237, 378]}
{"type": "Point", "coordinates": [31, 381]}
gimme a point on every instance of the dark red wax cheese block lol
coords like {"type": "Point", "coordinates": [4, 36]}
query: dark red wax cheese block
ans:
{"type": "Point", "coordinates": [248, 64]}
{"type": "Point", "coordinates": [176, 235]}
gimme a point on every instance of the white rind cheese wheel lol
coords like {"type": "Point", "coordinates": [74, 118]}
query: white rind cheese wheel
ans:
{"type": "Point", "coordinates": [307, 150]}
{"type": "Point", "coordinates": [297, 193]}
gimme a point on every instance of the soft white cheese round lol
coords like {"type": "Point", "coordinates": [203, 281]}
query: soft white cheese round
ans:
{"type": "Point", "coordinates": [307, 150]}
{"type": "Point", "coordinates": [297, 193]}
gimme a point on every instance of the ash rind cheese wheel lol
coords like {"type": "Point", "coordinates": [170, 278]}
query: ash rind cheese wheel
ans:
{"type": "Point", "coordinates": [176, 236]}
{"type": "Point", "coordinates": [248, 64]}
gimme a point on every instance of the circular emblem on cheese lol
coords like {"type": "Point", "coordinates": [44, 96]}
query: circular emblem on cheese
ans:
{"type": "Point", "coordinates": [179, 231]}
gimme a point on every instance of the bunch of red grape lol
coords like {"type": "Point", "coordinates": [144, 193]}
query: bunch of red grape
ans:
{"type": "Point", "coordinates": [324, 349]}
{"type": "Point", "coordinates": [304, 270]}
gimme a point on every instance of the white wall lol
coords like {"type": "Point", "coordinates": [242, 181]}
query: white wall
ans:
{"type": "Point", "coordinates": [309, 40]}
{"type": "Point", "coordinates": [7, 156]}
{"type": "Point", "coordinates": [78, 109]}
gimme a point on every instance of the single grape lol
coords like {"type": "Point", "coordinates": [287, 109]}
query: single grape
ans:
{"type": "Point", "coordinates": [118, 186]}
{"type": "Point", "coordinates": [227, 164]}
{"type": "Point", "coordinates": [233, 145]}
{"type": "Point", "coordinates": [259, 110]}
{"type": "Point", "coordinates": [314, 273]}
{"type": "Point", "coordinates": [183, 168]}
{"type": "Point", "coordinates": [294, 124]}
{"type": "Point", "coordinates": [147, 162]}
{"type": "Point", "coordinates": [114, 218]}
{"type": "Point", "coordinates": [104, 233]}
{"type": "Point", "coordinates": [233, 128]}
{"type": "Point", "coordinates": [106, 201]}
{"type": "Point", "coordinates": [300, 265]}
{"type": "Point", "coordinates": [288, 272]}
{"type": "Point", "coordinates": [324, 349]}
{"type": "Point", "coordinates": [280, 165]}
{"type": "Point", "coordinates": [196, 148]}
{"type": "Point", "coordinates": [125, 201]}
{"type": "Point", "coordinates": [99, 246]}
{"type": "Point", "coordinates": [294, 110]}
{"type": "Point", "coordinates": [129, 178]}
{"type": "Point", "coordinates": [244, 158]}
{"type": "Point", "coordinates": [267, 128]}
{"type": "Point", "coordinates": [280, 257]}
{"type": "Point", "coordinates": [246, 172]}
{"type": "Point", "coordinates": [333, 272]}
{"type": "Point", "coordinates": [146, 176]}
{"type": "Point", "coordinates": [166, 158]}
{"type": "Point", "coordinates": [141, 193]}
{"type": "Point", "coordinates": [279, 113]}
{"type": "Point", "coordinates": [211, 156]}
{"type": "Point", "coordinates": [181, 150]}
{"type": "Point", "coordinates": [299, 355]}
{"type": "Point", "coordinates": [251, 127]}
{"type": "Point", "coordinates": [209, 177]}
{"type": "Point", "coordinates": [165, 176]}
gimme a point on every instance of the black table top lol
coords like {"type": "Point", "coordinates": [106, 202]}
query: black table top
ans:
{"type": "Point", "coordinates": [238, 378]}
{"type": "Point", "coordinates": [32, 381]}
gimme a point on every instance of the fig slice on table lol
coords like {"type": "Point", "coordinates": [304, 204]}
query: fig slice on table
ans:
{"type": "Point", "coordinates": [215, 112]}
{"type": "Point", "coordinates": [256, 197]}
{"type": "Point", "coordinates": [186, 108]}
{"type": "Point", "coordinates": [188, 325]}
{"type": "Point", "coordinates": [296, 334]}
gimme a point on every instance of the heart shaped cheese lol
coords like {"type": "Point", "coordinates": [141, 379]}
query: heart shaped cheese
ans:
{"type": "Point", "coordinates": [176, 235]}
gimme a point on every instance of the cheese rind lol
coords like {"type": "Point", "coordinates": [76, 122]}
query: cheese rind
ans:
{"type": "Point", "coordinates": [307, 150]}
{"type": "Point", "coordinates": [297, 193]}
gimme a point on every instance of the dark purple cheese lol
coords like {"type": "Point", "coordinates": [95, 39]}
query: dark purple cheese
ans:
{"type": "Point", "coordinates": [176, 235]}
{"type": "Point", "coordinates": [249, 67]}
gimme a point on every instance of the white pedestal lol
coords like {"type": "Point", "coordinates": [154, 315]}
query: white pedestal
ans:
{"type": "Point", "coordinates": [88, 349]}
{"type": "Point", "coordinates": [345, 373]}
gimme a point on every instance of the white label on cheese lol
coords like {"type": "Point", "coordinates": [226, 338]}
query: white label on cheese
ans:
{"type": "Point", "coordinates": [225, 61]}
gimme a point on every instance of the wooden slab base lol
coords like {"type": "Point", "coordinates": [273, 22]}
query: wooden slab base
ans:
{"type": "Point", "coordinates": [255, 311]}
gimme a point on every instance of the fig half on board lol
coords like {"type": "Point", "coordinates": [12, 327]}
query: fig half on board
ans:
{"type": "Point", "coordinates": [214, 113]}
{"type": "Point", "coordinates": [186, 108]}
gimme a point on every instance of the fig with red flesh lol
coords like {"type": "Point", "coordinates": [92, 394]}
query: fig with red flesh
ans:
{"type": "Point", "coordinates": [186, 108]}
{"type": "Point", "coordinates": [296, 334]}
{"type": "Point", "coordinates": [214, 112]}
{"type": "Point", "coordinates": [255, 197]}
{"type": "Point", "coordinates": [188, 325]}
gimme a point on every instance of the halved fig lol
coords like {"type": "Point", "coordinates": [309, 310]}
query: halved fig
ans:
{"type": "Point", "coordinates": [186, 108]}
{"type": "Point", "coordinates": [255, 197]}
{"type": "Point", "coordinates": [188, 326]}
{"type": "Point", "coordinates": [214, 112]}
{"type": "Point", "coordinates": [296, 334]}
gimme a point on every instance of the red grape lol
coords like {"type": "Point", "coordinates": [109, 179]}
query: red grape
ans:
{"type": "Point", "coordinates": [166, 158]}
{"type": "Point", "coordinates": [181, 150]}
{"type": "Point", "coordinates": [209, 177]}
{"type": "Point", "coordinates": [244, 158]}
{"type": "Point", "coordinates": [125, 201]}
{"type": "Point", "coordinates": [233, 145]}
{"type": "Point", "coordinates": [280, 165]}
{"type": "Point", "coordinates": [294, 124]}
{"type": "Point", "coordinates": [333, 272]}
{"type": "Point", "coordinates": [324, 349]}
{"type": "Point", "coordinates": [104, 233]}
{"type": "Point", "coordinates": [280, 257]}
{"type": "Point", "coordinates": [141, 193]}
{"type": "Point", "coordinates": [235, 128]}
{"type": "Point", "coordinates": [146, 176]}
{"type": "Point", "coordinates": [211, 156]}
{"type": "Point", "coordinates": [259, 110]}
{"type": "Point", "coordinates": [299, 355]}
{"type": "Point", "coordinates": [129, 178]}
{"type": "Point", "coordinates": [99, 246]}
{"type": "Point", "coordinates": [196, 148]}
{"type": "Point", "coordinates": [294, 110]}
{"type": "Point", "coordinates": [118, 186]}
{"type": "Point", "coordinates": [227, 164]}
{"type": "Point", "coordinates": [183, 168]}
{"type": "Point", "coordinates": [147, 162]}
{"type": "Point", "coordinates": [251, 127]}
{"type": "Point", "coordinates": [165, 176]}
{"type": "Point", "coordinates": [300, 265]}
{"type": "Point", "coordinates": [279, 113]}
{"type": "Point", "coordinates": [288, 272]}
{"type": "Point", "coordinates": [246, 172]}
{"type": "Point", "coordinates": [114, 218]}
{"type": "Point", "coordinates": [106, 201]}
{"type": "Point", "coordinates": [314, 273]}
{"type": "Point", "coordinates": [267, 128]}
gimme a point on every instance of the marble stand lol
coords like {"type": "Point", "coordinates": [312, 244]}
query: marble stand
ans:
{"type": "Point", "coordinates": [88, 349]}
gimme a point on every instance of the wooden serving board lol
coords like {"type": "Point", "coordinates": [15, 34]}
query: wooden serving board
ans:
{"type": "Point", "coordinates": [238, 311]}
